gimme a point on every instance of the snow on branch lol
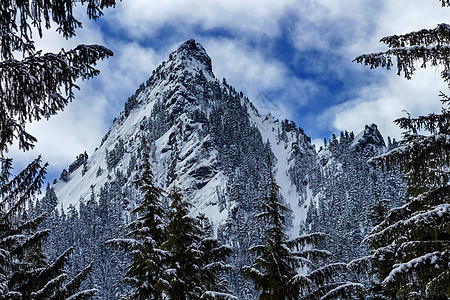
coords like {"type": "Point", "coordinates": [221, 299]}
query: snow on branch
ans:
{"type": "Point", "coordinates": [410, 246]}
{"type": "Point", "coordinates": [438, 283]}
{"type": "Point", "coordinates": [307, 239]}
{"type": "Point", "coordinates": [439, 260]}
{"type": "Point", "coordinates": [31, 89]}
{"type": "Point", "coordinates": [217, 295]}
{"type": "Point", "coordinates": [75, 282]}
{"type": "Point", "coordinates": [325, 273]}
{"type": "Point", "coordinates": [86, 294]}
{"type": "Point", "coordinates": [314, 254]}
{"type": "Point", "coordinates": [302, 281]}
{"type": "Point", "coordinates": [124, 244]}
{"type": "Point", "coordinates": [436, 36]}
{"type": "Point", "coordinates": [344, 291]}
{"type": "Point", "coordinates": [425, 218]}
{"type": "Point", "coordinates": [422, 158]}
{"type": "Point", "coordinates": [50, 285]}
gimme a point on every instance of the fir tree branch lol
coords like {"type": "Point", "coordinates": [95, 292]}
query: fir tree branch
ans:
{"type": "Point", "coordinates": [425, 37]}
{"type": "Point", "coordinates": [31, 89]}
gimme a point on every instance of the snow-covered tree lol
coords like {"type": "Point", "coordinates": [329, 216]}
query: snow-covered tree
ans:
{"type": "Point", "coordinates": [146, 234]}
{"type": "Point", "coordinates": [25, 272]}
{"type": "Point", "coordinates": [195, 259]}
{"type": "Point", "coordinates": [35, 85]}
{"type": "Point", "coordinates": [279, 268]}
{"type": "Point", "coordinates": [38, 85]}
{"type": "Point", "coordinates": [410, 247]}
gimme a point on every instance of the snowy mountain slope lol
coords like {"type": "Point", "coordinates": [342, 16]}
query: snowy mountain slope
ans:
{"type": "Point", "coordinates": [208, 140]}
{"type": "Point", "coordinates": [175, 86]}
{"type": "Point", "coordinates": [172, 86]}
{"type": "Point", "coordinates": [270, 129]}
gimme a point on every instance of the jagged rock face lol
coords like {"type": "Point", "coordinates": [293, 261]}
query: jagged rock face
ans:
{"type": "Point", "coordinates": [208, 140]}
{"type": "Point", "coordinates": [370, 138]}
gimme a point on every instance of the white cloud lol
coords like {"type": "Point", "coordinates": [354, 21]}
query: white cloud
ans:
{"type": "Point", "coordinates": [339, 30]}
{"type": "Point", "coordinates": [142, 19]}
{"type": "Point", "coordinates": [259, 77]}
{"type": "Point", "coordinates": [345, 29]}
{"type": "Point", "coordinates": [385, 101]}
{"type": "Point", "coordinates": [402, 16]}
{"type": "Point", "coordinates": [330, 26]}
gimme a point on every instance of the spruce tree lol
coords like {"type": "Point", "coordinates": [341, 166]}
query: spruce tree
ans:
{"type": "Point", "coordinates": [35, 85]}
{"type": "Point", "coordinates": [24, 270]}
{"type": "Point", "coordinates": [195, 259]}
{"type": "Point", "coordinates": [146, 234]}
{"type": "Point", "coordinates": [410, 247]}
{"type": "Point", "coordinates": [213, 263]}
{"type": "Point", "coordinates": [279, 268]}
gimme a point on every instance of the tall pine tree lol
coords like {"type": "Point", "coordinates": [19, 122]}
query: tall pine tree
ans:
{"type": "Point", "coordinates": [410, 248]}
{"type": "Point", "coordinates": [195, 259]}
{"type": "Point", "coordinates": [281, 263]}
{"type": "Point", "coordinates": [146, 234]}
{"type": "Point", "coordinates": [25, 272]}
{"type": "Point", "coordinates": [34, 86]}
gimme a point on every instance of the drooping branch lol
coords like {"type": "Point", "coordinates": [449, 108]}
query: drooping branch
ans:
{"type": "Point", "coordinates": [39, 86]}
{"type": "Point", "coordinates": [425, 37]}
{"type": "Point", "coordinates": [18, 18]}
{"type": "Point", "coordinates": [407, 57]}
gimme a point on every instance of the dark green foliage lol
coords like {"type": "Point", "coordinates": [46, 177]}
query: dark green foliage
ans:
{"type": "Point", "coordinates": [40, 84]}
{"type": "Point", "coordinates": [24, 270]}
{"type": "Point", "coordinates": [114, 156]}
{"type": "Point", "coordinates": [79, 161]}
{"type": "Point", "coordinates": [275, 266]}
{"type": "Point", "coordinates": [146, 234]}
{"type": "Point", "coordinates": [213, 262]}
{"type": "Point", "coordinates": [181, 260]}
{"type": "Point", "coordinates": [429, 47]}
{"type": "Point", "coordinates": [180, 277]}
{"type": "Point", "coordinates": [275, 271]}
{"type": "Point", "coordinates": [95, 221]}
{"type": "Point", "coordinates": [195, 260]}
{"type": "Point", "coordinates": [344, 187]}
{"type": "Point", "coordinates": [411, 246]}
{"type": "Point", "coordinates": [379, 211]}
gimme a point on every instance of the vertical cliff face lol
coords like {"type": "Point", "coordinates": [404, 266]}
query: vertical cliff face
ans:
{"type": "Point", "coordinates": [208, 140]}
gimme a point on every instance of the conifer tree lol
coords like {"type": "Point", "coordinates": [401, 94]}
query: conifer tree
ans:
{"type": "Point", "coordinates": [195, 260]}
{"type": "Point", "coordinates": [34, 86]}
{"type": "Point", "coordinates": [410, 248]}
{"type": "Point", "coordinates": [146, 234]}
{"type": "Point", "coordinates": [213, 263]}
{"type": "Point", "coordinates": [24, 270]}
{"type": "Point", "coordinates": [276, 269]}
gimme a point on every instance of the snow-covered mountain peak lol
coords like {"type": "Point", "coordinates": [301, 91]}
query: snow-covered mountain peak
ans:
{"type": "Point", "coordinates": [189, 56]}
{"type": "Point", "coordinates": [193, 50]}
{"type": "Point", "coordinates": [369, 136]}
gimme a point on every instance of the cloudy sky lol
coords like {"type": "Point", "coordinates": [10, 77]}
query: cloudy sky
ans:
{"type": "Point", "coordinates": [291, 57]}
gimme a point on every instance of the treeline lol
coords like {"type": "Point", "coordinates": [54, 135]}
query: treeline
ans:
{"type": "Point", "coordinates": [162, 253]}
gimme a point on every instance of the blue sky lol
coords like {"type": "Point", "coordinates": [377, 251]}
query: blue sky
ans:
{"type": "Point", "coordinates": [297, 55]}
